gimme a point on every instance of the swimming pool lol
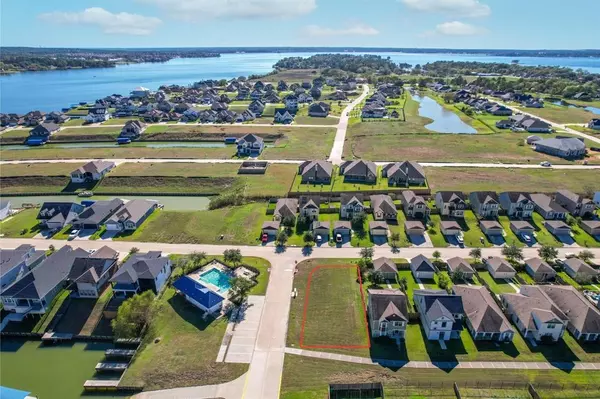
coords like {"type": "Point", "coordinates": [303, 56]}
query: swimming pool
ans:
{"type": "Point", "coordinates": [217, 278]}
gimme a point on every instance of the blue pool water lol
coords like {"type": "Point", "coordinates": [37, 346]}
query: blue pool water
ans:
{"type": "Point", "coordinates": [216, 278]}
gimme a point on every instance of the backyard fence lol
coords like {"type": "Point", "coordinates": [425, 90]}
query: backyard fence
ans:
{"type": "Point", "coordinates": [359, 391]}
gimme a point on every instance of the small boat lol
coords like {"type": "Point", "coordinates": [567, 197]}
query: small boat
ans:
{"type": "Point", "coordinates": [85, 194]}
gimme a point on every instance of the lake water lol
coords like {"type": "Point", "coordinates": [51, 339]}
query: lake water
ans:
{"type": "Point", "coordinates": [53, 90]}
{"type": "Point", "coordinates": [593, 110]}
{"type": "Point", "coordinates": [56, 371]}
{"type": "Point", "coordinates": [171, 203]}
{"type": "Point", "coordinates": [444, 121]}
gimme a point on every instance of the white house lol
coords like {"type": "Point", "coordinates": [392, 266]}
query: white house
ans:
{"type": "Point", "coordinates": [441, 314]}
{"type": "Point", "coordinates": [97, 114]}
{"type": "Point", "coordinates": [141, 272]}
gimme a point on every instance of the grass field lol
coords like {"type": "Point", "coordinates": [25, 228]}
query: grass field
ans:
{"type": "Point", "coordinates": [186, 352]}
{"type": "Point", "coordinates": [472, 232]}
{"type": "Point", "coordinates": [508, 179]}
{"type": "Point", "coordinates": [498, 286]}
{"type": "Point", "coordinates": [382, 142]}
{"type": "Point", "coordinates": [22, 225]}
{"type": "Point", "coordinates": [238, 225]}
{"type": "Point", "coordinates": [302, 143]}
{"type": "Point", "coordinates": [334, 299]}
{"type": "Point", "coordinates": [38, 169]}
{"type": "Point", "coordinates": [584, 129]}
{"type": "Point", "coordinates": [560, 114]}
{"type": "Point", "coordinates": [88, 131]}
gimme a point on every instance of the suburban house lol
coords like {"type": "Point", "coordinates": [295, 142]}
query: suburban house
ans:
{"type": "Point", "coordinates": [500, 110]}
{"type": "Point", "coordinates": [407, 173]}
{"type": "Point", "coordinates": [576, 204]}
{"type": "Point", "coordinates": [441, 314]}
{"type": "Point", "coordinates": [131, 215]}
{"type": "Point", "coordinates": [56, 215]}
{"type": "Point", "coordinates": [92, 217]}
{"type": "Point", "coordinates": [491, 228]}
{"type": "Point", "coordinates": [315, 172]}
{"type": "Point", "coordinates": [373, 110]}
{"type": "Point", "coordinates": [485, 204]}
{"type": "Point", "coordinates": [14, 263]}
{"type": "Point", "coordinates": [257, 107]}
{"type": "Point", "coordinates": [378, 229]}
{"type": "Point", "coordinates": [309, 207]}
{"type": "Point", "coordinates": [359, 171]}
{"type": "Point", "coordinates": [499, 268]}
{"type": "Point", "coordinates": [458, 264]}
{"type": "Point", "coordinates": [561, 147]}
{"type": "Point", "coordinates": [97, 114]}
{"type": "Point", "coordinates": [548, 208]}
{"type": "Point", "coordinates": [91, 171]}
{"type": "Point", "coordinates": [450, 228]}
{"type": "Point", "coordinates": [414, 228]}
{"type": "Point", "coordinates": [576, 268]}
{"type": "Point", "coordinates": [250, 145]}
{"type": "Point", "coordinates": [421, 267]}
{"type": "Point", "coordinates": [90, 274]}
{"type": "Point", "coordinates": [351, 205]}
{"type": "Point", "coordinates": [534, 314]}
{"type": "Point", "coordinates": [141, 272]}
{"type": "Point", "coordinates": [484, 318]}
{"type": "Point", "coordinates": [291, 103]}
{"type": "Point", "coordinates": [320, 230]}
{"type": "Point", "coordinates": [5, 209]}
{"type": "Point", "coordinates": [539, 269]}
{"type": "Point", "coordinates": [582, 316]}
{"type": "Point", "coordinates": [320, 110]}
{"type": "Point", "coordinates": [388, 313]}
{"type": "Point", "coordinates": [33, 292]}
{"type": "Point", "coordinates": [132, 130]}
{"type": "Point", "coordinates": [414, 205]}
{"type": "Point", "coordinates": [386, 267]}
{"type": "Point", "coordinates": [522, 228]}
{"type": "Point", "coordinates": [343, 228]}
{"type": "Point", "coordinates": [557, 227]}
{"type": "Point", "coordinates": [286, 208]}
{"type": "Point", "coordinates": [517, 204]}
{"type": "Point", "coordinates": [383, 207]}
{"type": "Point", "coordinates": [270, 228]}
{"type": "Point", "coordinates": [199, 294]}
{"type": "Point", "coordinates": [592, 227]}
{"type": "Point", "coordinates": [594, 124]}
{"type": "Point", "coordinates": [41, 133]}
{"type": "Point", "coordinates": [451, 203]}
{"type": "Point", "coordinates": [282, 115]}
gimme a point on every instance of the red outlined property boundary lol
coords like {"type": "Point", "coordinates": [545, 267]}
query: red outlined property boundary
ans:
{"type": "Point", "coordinates": [306, 298]}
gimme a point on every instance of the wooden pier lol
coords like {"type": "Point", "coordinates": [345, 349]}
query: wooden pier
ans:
{"type": "Point", "coordinates": [112, 353]}
{"type": "Point", "coordinates": [111, 366]}
{"type": "Point", "coordinates": [100, 385]}
{"type": "Point", "coordinates": [56, 337]}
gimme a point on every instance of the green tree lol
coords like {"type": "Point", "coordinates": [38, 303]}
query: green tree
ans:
{"type": "Point", "coordinates": [233, 256]}
{"type": "Point", "coordinates": [547, 252]}
{"type": "Point", "coordinates": [376, 278]}
{"type": "Point", "coordinates": [444, 281]}
{"type": "Point", "coordinates": [586, 255]}
{"type": "Point", "coordinates": [395, 238]}
{"type": "Point", "coordinates": [367, 253]}
{"type": "Point", "coordinates": [475, 253]}
{"type": "Point", "coordinates": [403, 282]}
{"type": "Point", "coordinates": [289, 222]}
{"type": "Point", "coordinates": [458, 275]}
{"type": "Point", "coordinates": [239, 289]}
{"type": "Point", "coordinates": [197, 257]}
{"type": "Point", "coordinates": [134, 250]}
{"type": "Point", "coordinates": [308, 237]}
{"type": "Point", "coordinates": [436, 255]}
{"type": "Point", "coordinates": [448, 98]}
{"type": "Point", "coordinates": [133, 314]}
{"type": "Point", "coordinates": [512, 252]}
{"type": "Point", "coordinates": [282, 238]}
{"type": "Point", "coordinates": [358, 221]}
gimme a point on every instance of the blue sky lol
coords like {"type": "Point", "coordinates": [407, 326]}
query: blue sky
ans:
{"type": "Point", "coordinates": [522, 24]}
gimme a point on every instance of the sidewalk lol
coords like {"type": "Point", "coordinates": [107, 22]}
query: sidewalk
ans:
{"type": "Point", "coordinates": [447, 365]}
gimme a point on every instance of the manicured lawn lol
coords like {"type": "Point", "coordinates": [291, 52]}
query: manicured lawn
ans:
{"type": "Point", "coordinates": [497, 286]}
{"type": "Point", "coordinates": [583, 238]}
{"type": "Point", "coordinates": [334, 299]}
{"type": "Point", "coordinates": [302, 143]}
{"type": "Point", "coordinates": [435, 234]}
{"type": "Point", "coordinates": [560, 114]}
{"type": "Point", "coordinates": [411, 283]}
{"type": "Point", "coordinates": [238, 225]}
{"type": "Point", "coordinates": [310, 120]}
{"type": "Point", "coordinates": [74, 122]}
{"type": "Point", "coordinates": [542, 235]}
{"type": "Point", "coordinates": [567, 279]}
{"type": "Point", "coordinates": [584, 129]}
{"type": "Point", "coordinates": [186, 352]}
{"type": "Point", "coordinates": [119, 121]}
{"type": "Point", "coordinates": [505, 179]}
{"type": "Point", "coordinates": [526, 277]}
{"type": "Point", "coordinates": [296, 237]}
{"type": "Point", "coordinates": [472, 233]}
{"type": "Point", "coordinates": [22, 225]}
{"type": "Point", "coordinates": [362, 237]}
{"type": "Point", "coordinates": [38, 169]}
{"type": "Point", "coordinates": [90, 130]}
{"type": "Point", "coordinates": [15, 133]}
{"type": "Point", "coordinates": [510, 237]}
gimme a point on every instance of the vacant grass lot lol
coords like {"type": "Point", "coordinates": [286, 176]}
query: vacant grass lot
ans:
{"type": "Point", "coordinates": [560, 114]}
{"type": "Point", "coordinates": [89, 130]}
{"type": "Point", "coordinates": [505, 179]}
{"type": "Point", "coordinates": [308, 378]}
{"type": "Point", "coordinates": [373, 141]}
{"type": "Point", "coordinates": [239, 225]}
{"type": "Point", "coordinates": [334, 299]}
{"type": "Point", "coordinates": [584, 129]}
{"type": "Point", "coordinates": [302, 143]}
{"type": "Point", "coordinates": [186, 352]}
{"type": "Point", "coordinates": [22, 225]}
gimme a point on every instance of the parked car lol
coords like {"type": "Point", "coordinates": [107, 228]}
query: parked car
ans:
{"type": "Point", "coordinates": [338, 237]}
{"type": "Point", "coordinates": [526, 237]}
{"type": "Point", "coordinates": [460, 239]}
{"type": "Point", "coordinates": [74, 233]}
{"type": "Point", "coordinates": [570, 255]}
{"type": "Point", "coordinates": [545, 164]}
{"type": "Point", "coordinates": [319, 238]}
{"type": "Point", "coordinates": [265, 237]}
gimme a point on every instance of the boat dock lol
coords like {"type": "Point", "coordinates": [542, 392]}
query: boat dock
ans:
{"type": "Point", "coordinates": [97, 385]}
{"type": "Point", "coordinates": [112, 353]}
{"type": "Point", "coordinates": [111, 366]}
{"type": "Point", "coordinates": [56, 337]}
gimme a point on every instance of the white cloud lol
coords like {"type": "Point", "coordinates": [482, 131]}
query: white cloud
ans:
{"type": "Point", "coordinates": [463, 8]}
{"type": "Point", "coordinates": [120, 23]}
{"type": "Point", "coordinates": [357, 30]}
{"type": "Point", "coordinates": [199, 9]}
{"type": "Point", "coordinates": [456, 28]}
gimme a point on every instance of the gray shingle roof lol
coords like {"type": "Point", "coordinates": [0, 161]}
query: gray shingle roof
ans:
{"type": "Point", "coordinates": [140, 266]}
{"type": "Point", "coordinates": [384, 265]}
{"type": "Point", "coordinates": [421, 263]}
{"type": "Point", "coordinates": [481, 310]}
{"type": "Point", "coordinates": [389, 305]}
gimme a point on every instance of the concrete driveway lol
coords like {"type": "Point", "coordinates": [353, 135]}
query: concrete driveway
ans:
{"type": "Point", "coordinates": [245, 330]}
{"type": "Point", "coordinates": [421, 241]}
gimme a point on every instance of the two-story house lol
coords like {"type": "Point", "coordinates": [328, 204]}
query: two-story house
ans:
{"type": "Point", "coordinates": [517, 204]}
{"type": "Point", "coordinates": [141, 272]}
{"type": "Point", "coordinates": [383, 207]}
{"type": "Point", "coordinates": [132, 130]}
{"type": "Point", "coordinates": [41, 133]}
{"type": "Point", "coordinates": [359, 171]}
{"type": "Point", "coordinates": [89, 275]}
{"type": "Point", "coordinates": [351, 205]}
{"type": "Point", "coordinates": [485, 204]}
{"type": "Point", "coordinates": [33, 292]}
{"type": "Point", "coordinates": [15, 263]}
{"type": "Point", "coordinates": [548, 208]}
{"type": "Point", "coordinates": [484, 318]}
{"type": "Point", "coordinates": [406, 173]}
{"type": "Point", "coordinates": [97, 114]}
{"type": "Point", "coordinates": [388, 313]}
{"type": "Point", "coordinates": [451, 203]}
{"type": "Point", "coordinates": [291, 103]}
{"type": "Point", "coordinates": [576, 204]}
{"type": "Point", "coordinates": [92, 171]}
{"type": "Point", "coordinates": [316, 172]}
{"type": "Point", "coordinates": [257, 107]}
{"type": "Point", "coordinates": [534, 314]}
{"type": "Point", "coordinates": [309, 207]}
{"type": "Point", "coordinates": [414, 206]}
{"type": "Point", "coordinates": [250, 145]}
{"type": "Point", "coordinates": [56, 215]}
{"type": "Point", "coordinates": [441, 314]}
{"type": "Point", "coordinates": [286, 208]}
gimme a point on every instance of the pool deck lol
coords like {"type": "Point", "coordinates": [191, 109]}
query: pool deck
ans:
{"type": "Point", "coordinates": [197, 275]}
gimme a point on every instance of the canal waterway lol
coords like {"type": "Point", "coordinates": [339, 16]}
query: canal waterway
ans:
{"type": "Point", "coordinates": [444, 121]}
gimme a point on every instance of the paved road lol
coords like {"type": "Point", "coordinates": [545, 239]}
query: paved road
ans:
{"type": "Point", "coordinates": [340, 136]}
{"type": "Point", "coordinates": [558, 125]}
